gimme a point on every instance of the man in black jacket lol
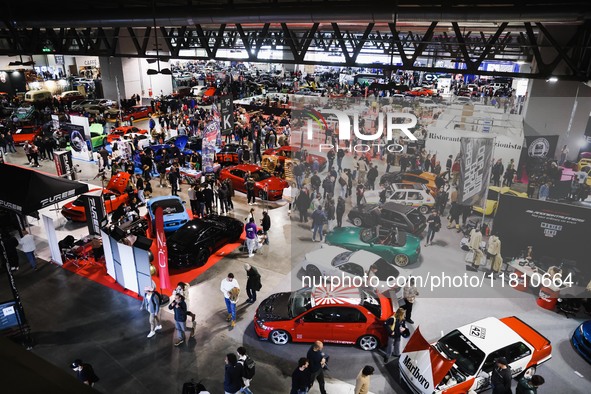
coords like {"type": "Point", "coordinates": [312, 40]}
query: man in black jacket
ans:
{"type": "Point", "coordinates": [266, 224]}
{"type": "Point", "coordinates": [84, 372]}
{"type": "Point", "coordinates": [300, 378]}
{"type": "Point", "coordinates": [253, 283]}
{"type": "Point", "coordinates": [501, 377]}
{"type": "Point", "coordinates": [232, 374]}
{"type": "Point", "coordinates": [317, 363]}
{"type": "Point", "coordinates": [173, 178]}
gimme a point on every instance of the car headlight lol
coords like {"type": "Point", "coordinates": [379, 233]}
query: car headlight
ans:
{"type": "Point", "coordinates": [261, 324]}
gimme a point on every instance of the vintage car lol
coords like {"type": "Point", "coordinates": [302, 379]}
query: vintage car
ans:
{"type": "Point", "coordinates": [349, 315]}
{"type": "Point", "coordinates": [336, 261]}
{"type": "Point", "coordinates": [411, 177]}
{"type": "Point", "coordinates": [193, 243]}
{"type": "Point", "coordinates": [420, 91]}
{"type": "Point", "coordinates": [389, 215]}
{"type": "Point", "coordinates": [267, 186]}
{"type": "Point", "coordinates": [25, 112]}
{"type": "Point", "coordinates": [473, 348]}
{"type": "Point", "coordinates": [120, 131]}
{"type": "Point", "coordinates": [173, 212]}
{"type": "Point", "coordinates": [581, 340]}
{"type": "Point", "coordinates": [71, 96]}
{"type": "Point", "coordinates": [492, 199]}
{"type": "Point", "coordinates": [412, 194]}
{"type": "Point", "coordinates": [292, 152]}
{"type": "Point", "coordinates": [113, 195]}
{"type": "Point", "coordinates": [396, 247]}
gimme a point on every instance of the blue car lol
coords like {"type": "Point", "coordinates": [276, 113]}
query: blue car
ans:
{"type": "Point", "coordinates": [581, 340]}
{"type": "Point", "coordinates": [173, 209]}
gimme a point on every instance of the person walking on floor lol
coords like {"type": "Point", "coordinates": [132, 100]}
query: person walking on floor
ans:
{"type": "Point", "coordinates": [300, 377]}
{"type": "Point", "coordinates": [173, 178]}
{"type": "Point", "coordinates": [253, 283]}
{"type": "Point", "coordinates": [180, 317]}
{"type": "Point", "coordinates": [302, 202]}
{"type": "Point", "coordinates": [529, 386]}
{"type": "Point", "coordinates": [84, 372]}
{"type": "Point", "coordinates": [10, 247]}
{"type": "Point", "coordinates": [250, 184]}
{"type": "Point", "coordinates": [318, 220]}
{"type": "Point", "coordinates": [192, 193]}
{"type": "Point", "coordinates": [248, 369]}
{"type": "Point", "coordinates": [395, 328]}
{"type": "Point", "coordinates": [151, 303]}
{"type": "Point", "coordinates": [340, 211]}
{"type": "Point", "coordinates": [501, 377]}
{"type": "Point", "coordinates": [410, 293]}
{"type": "Point", "coordinates": [266, 224]}
{"type": "Point", "coordinates": [317, 363]}
{"type": "Point", "coordinates": [232, 374]}
{"type": "Point", "coordinates": [230, 288]}
{"type": "Point", "coordinates": [251, 236]}
{"type": "Point", "coordinates": [434, 222]}
{"type": "Point", "coordinates": [182, 288]}
{"type": "Point", "coordinates": [363, 379]}
{"type": "Point", "coordinates": [27, 244]}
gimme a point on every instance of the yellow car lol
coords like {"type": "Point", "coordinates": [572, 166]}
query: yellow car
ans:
{"type": "Point", "coordinates": [492, 199]}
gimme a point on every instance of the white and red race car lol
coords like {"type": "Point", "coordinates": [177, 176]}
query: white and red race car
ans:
{"type": "Point", "coordinates": [464, 359]}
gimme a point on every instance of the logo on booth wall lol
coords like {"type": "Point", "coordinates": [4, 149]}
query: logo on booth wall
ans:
{"type": "Point", "coordinates": [539, 148]}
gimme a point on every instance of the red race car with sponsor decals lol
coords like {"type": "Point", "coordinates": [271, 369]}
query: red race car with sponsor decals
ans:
{"type": "Point", "coordinates": [463, 360]}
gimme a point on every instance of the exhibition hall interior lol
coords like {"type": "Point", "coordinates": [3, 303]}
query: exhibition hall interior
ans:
{"type": "Point", "coordinates": [299, 196]}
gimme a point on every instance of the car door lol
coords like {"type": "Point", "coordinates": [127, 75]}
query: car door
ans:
{"type": "Point", "coordinates": [414, 199]}
{"type": "Point", "coordinates": [314, 325]}
{"type": "Point", "coordinates": [237, 177]}
{"type": "Point", "coordinates": [348, 324]}
{"type": "Point", "coordinates": [399, 197]}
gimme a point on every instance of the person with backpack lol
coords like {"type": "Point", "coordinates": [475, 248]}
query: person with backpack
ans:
{"type": "Point", "coordinates": [151, 303]}
{"type": "Point", "coordinates": [248, 369]}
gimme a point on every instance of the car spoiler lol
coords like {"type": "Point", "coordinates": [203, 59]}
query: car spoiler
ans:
{"type": "Point", "coordinates": [519, 326]}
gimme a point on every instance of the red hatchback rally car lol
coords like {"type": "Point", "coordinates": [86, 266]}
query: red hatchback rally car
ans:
{"type": "Point", "coordinates": [114, 195]}
{"type": "Point", "coordinates": [263, 181]}
{"type": "Point", "coordinates": [348, 315]}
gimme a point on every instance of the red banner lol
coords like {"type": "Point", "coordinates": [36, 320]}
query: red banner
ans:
{"type": "Point", "coordinates": [161, 249]}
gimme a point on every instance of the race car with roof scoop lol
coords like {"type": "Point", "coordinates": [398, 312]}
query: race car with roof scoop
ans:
{"type": "Point", "coordinates": [463, 360]}
{"type": "Point", "coordinates": [343, 315]}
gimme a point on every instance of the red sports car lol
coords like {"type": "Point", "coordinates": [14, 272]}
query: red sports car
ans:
{"type": "Point", "coordinates": [263, 180]}
{"type": "Point", "coordinates": [114, 195]}
{"type": "Point", "coordinates": [120, 131]}
{"type": "Point", "coordinates": [292, 152]}
{"type": "Point", "coordinates": [343, 316]}
{"type": "Point", "coordinates": [422, 92]}
{"type": "Point", "coordinates": [25, 133]}
{"type": "Point", "coordinates": [134, 113]}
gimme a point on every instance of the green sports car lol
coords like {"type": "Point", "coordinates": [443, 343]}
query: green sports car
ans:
{"type": "Point", "coordinates": [396, 247]}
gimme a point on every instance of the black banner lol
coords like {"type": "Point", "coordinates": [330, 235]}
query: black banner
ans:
{"type": "Point", "coordinates": [541, 147]}
{"type": "Point", "coordinates": [555, 231]}
{"type": "Point", "coordinates": [96, 215]}
{"type": "Point", "coordinates": [226, 113]}
{"type": "Point", "coordinates": [63, 164]}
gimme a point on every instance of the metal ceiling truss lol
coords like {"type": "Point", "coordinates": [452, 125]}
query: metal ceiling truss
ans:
{"type": "Point", "coordinates": [419, 48]}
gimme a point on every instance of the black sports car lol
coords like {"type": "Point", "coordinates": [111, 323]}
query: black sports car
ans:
{"type": "Point", "coordinates": [405, 218]}
{"type": "Point", "coordinates": [192, 244]}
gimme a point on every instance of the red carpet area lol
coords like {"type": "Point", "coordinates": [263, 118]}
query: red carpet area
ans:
{"type": "Point", "coordinates": [97, 272]}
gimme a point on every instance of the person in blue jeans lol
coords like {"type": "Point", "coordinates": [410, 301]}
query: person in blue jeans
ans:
{"type": "Point", "coordinates": [318, 220]}
{"type": "Point", "coordinates": [434, 222]}
{"type": "Point", "coordinates": [27, 244]}
{"type": "Point", "coordinates": [226, 287]}
{"type": "Point", "coordinates": [180, 317]}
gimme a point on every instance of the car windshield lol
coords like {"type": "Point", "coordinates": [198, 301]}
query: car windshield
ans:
{"type": "Point", "coordinates": [260, 175]}
{"type": "Point", "coordinates": [169, 207]}
{"type": "Point", "coordinates": [456, 346]}
{"type": "Point", "coordinates": [299, 302]}
{"type": "Point", "coordinates": [370, 302]}
{"type": "Point", "coordinates": [341, 258]}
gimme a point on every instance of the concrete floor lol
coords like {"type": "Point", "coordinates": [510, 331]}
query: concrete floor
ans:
{"type": "Point", "coordinates": [72, 317]}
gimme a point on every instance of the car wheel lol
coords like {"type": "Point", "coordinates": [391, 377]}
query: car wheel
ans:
{"type": "Point", "coordinates": [313, 272]}
{"type": "Point", "coordinates": [423, 209]}
{"type": "Point", "coordinates": [368, 342]}
{"type": "Point", "coordinates": [401, 260]}
{"type": "Point", "coordinates": [528, 373]}
{"type": "Point", "coordinates": [279, 337]}
{"type": "Point", "coordinates": [202, 256]}
{"type": "Point", "coordinates": [357, 221]}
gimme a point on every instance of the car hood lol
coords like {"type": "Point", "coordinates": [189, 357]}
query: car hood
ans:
{"type": "Point", "coordinates": [119, 182]}
{"type": "Point", "coordinates": [274, 308]}
{"type": "Point", "coordinates": [273, 184]}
